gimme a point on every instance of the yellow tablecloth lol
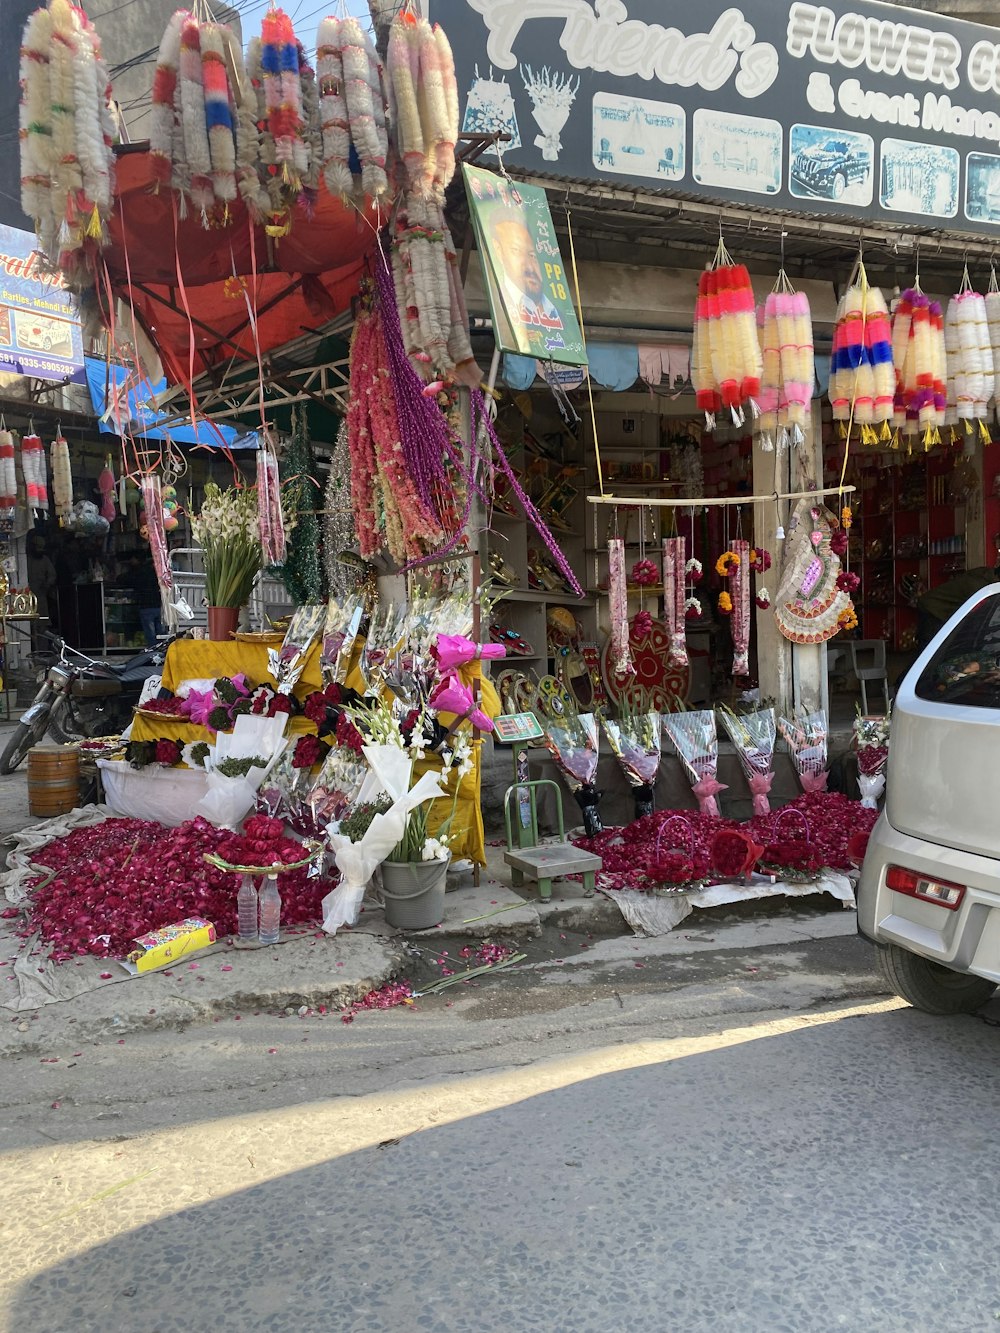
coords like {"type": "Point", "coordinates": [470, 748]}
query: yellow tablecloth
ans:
{"type": "Point", "coordinates": [202, 659]}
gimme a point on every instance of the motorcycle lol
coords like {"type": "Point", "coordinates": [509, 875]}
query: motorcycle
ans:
{"type": "Point", "coordinates": [80, 697]}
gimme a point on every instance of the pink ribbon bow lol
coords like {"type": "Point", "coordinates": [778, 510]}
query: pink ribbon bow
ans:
{"type": "Point", "coordinates": [706, 790]}
{"type": "Point", "coordinates": [760, 785]}
{"type": "Point", "coordinates": [454, 650]}
{"type": "Point", "coordinates": [452, 696]}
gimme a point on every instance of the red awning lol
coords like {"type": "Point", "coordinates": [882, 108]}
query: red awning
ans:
{"type": "Point", "coordinates": [177, 268]}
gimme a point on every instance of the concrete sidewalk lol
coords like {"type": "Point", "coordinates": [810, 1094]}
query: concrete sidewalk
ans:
{"type": "Point", "coordinates": [310, 970]}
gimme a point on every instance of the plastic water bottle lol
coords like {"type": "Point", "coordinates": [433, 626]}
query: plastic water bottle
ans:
{"type": "Point", "coordinates": [246, 909]}
{"type": "Point", "coordinates": [270, 911]}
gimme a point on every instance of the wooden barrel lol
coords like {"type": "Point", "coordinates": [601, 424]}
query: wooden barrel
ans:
{"type": "Point", "coordinates": [53, 780]}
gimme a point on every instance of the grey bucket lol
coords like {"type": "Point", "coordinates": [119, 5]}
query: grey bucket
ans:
{"type": "Point", "coordinates": [413, 892]}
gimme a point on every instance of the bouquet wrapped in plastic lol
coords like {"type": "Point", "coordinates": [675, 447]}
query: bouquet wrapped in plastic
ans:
{"type": "Point", "coordinates": [287, 662]}
{"type": "Point", "coordinates": [871, 740]}
{"type": "Point", "coordinates": [385, 638]}
{"type": "Point", "coordinates": [337, 787]}
{"type": "Point", "coordinates": [805, 735]}
{"type": "Point", "coordinates": [340, 628]}
{"type": "Point", "coordinates": [635, 743]}
{"type": "Point", "coordinates": [694, 738]}
{"type": "Point", "coordinates": [573, 742]}
{"type": "Point", "coordinates": [754, 735]}
{"type": "Point", "coordinates": [237, 765]}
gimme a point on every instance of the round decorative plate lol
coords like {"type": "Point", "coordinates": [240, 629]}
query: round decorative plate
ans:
{"type": "Point", "coordinates": [655, 679]}
{"type": "Point", "coordinates": [267, 638]}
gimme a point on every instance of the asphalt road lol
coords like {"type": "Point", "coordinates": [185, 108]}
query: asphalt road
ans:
{"type": "Point", "coordinates": [761, 1143]}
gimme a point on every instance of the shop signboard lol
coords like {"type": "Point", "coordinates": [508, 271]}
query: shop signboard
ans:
{"type": "Point", "coordinates": [529, 288]}
{"type": "Point", "coordinates": [849, 109]}
{"type": "Point", "coordinates": [39, 323]}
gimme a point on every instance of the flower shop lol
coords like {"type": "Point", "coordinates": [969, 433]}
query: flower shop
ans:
{"type": "Point", "coordinates": [643, 545]}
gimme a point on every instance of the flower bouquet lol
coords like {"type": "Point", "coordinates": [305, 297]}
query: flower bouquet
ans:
{"type": "Point", "coordinates": [340, 629]}
{"type": "Point", "coordinates": [871, 740]}
{"type": "Point", "coordinates": [805, 735]}
{"type": "Point", "coordinates": [732, 854]}
{"type": "Point", "coordinates": [287, 662]}
{"type": "Point", "coordinates": [337, 787]}
{"type": "Point", "coordinates": [227, 530]}
{"type": "Point", "coordinates": [797, 860]}
{"type": "Point", "coordinates": [677, 869]}
{"type": "Point", "coordinates": [754, 735]}
{"type": "Point", "coordinates": [237, 765]}
{"type": "Point", "coordinates": [694, 738]}
{"type": "Point", "coordinates": [385, 635]}
{"type": "Point", "coordinates": [573, 741]}
{"type": "Point", "coordinates": [635, 742]}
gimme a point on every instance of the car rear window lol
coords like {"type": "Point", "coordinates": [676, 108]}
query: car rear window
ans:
{"type": "Point", "coordinates": [966, 667]}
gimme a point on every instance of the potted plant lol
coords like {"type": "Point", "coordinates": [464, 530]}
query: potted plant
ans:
{"type": "Point", "coordinates": [228, 532]}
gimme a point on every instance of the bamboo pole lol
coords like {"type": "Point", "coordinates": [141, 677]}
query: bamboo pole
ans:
{"type": "Point", "coordinates": [705, 502]}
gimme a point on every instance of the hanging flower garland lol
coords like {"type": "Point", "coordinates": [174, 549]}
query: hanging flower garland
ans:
{"type": "Point", "coordinates": [918, 353]}
{"type": "Point", "coordinates": [969, 359]}
{"type": "Point", "coordinates": [33, 468]}
{"type": "Point", "coordinates": [282, 84]}
{"type": "Point", "coordinates": [302, 571]}
{"type": "Point", "coordinates": [62, 480]}
{"type": "Point", "coordinates": [8, 473]}
{"type": "Point", "coordinates": [365, 99]}
{"type": "Point", "coordinates": [788, 366]}
{"type": "Point", "coordinates": [273, 545]}
{"type": "Point", "coordinates": [152, 498]}
{"type": "Point", "coordinates": [219, 105]}
{"type": "Point", "coordinates": [739, 583]}
{"type": "Point", "coordinates": [67, 164]}
{"type": "Point", "coordinates": [726, 361]}
{"type": "Point", "coordinates": [621, 653]}
{"type": "Point", "coordinates": [333, 108]}
{"type": "Point", "coordinates": [862, 381]}
{"type": "Point", "coordinates": [674, 605]}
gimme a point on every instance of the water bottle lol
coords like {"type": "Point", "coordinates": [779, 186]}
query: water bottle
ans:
{"type": "Point", "coordinates": [270, 911]}
{"type": "Point", "coordinates": [246, 909]}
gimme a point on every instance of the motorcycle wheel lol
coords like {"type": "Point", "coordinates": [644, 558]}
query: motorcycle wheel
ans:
{"type": "Point", "coordinates": [24, 736]}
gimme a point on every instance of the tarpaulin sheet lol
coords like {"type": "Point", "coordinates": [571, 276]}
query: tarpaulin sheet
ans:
{"type": "Point", "coordinates": [303, 280]}
{"type": "Point", "coordinates": [133, 412]}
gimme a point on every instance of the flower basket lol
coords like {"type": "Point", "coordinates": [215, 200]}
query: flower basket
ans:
{"type": "Point", "coordinates": [674, 869]}
{"type": "Point", "coordinates": [794, 859]}
{"type": "Point", "coordinates": [733, 854]}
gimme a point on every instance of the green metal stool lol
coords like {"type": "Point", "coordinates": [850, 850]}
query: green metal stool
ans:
{"type": "Point", "coordinates": [551, 860]}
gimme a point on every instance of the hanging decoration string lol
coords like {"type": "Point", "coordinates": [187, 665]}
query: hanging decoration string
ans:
{"type": "Point", "coordinates": [583, 339]}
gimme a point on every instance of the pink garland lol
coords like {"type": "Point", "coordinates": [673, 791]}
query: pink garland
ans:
{"type": "Point", "coordinates": [739, 582]}
{"type": "Point", "coordinates": [272, 528]}
{"type": "Point", "coordinates": [674, 562]}
{"type": "Point", "coordinates": [621, 656]}
{"type": "Point", "coordinates": [153, 501]}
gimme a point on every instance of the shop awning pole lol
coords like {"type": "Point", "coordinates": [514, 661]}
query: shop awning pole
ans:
{"type": "Point", "coordinates": [708, 501]}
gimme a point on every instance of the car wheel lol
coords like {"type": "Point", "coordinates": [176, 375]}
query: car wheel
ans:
{"type": "Point", "coordinates": [929, 986]}
{"type": "Point", "coordinates": [839, 185]}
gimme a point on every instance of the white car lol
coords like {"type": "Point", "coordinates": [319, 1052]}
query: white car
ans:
{"type": "Point", "coordinates": [929, 896]}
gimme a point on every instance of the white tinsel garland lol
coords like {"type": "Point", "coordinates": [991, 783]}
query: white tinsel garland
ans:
{"type": "Point", "coordinates": [365, 107]}
{"type": "Point", "coordinates": [192, 102]}
{"type": "Point", "coordinates": [36, 118]}
{"type": "Point", "coordinates": [333, 109]}
{"type": "Point", "coordinates": [62, 480]}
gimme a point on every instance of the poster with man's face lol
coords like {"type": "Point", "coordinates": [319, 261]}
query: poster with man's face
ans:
{"type": "Point", "coordinates": [529, 288]}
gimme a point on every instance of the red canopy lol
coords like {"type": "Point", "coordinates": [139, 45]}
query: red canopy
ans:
{"type": "Point", "coordinates": [180, 274]}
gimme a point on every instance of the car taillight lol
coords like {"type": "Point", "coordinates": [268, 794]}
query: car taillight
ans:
{"type": "Point", "coordinates": [940, 891]}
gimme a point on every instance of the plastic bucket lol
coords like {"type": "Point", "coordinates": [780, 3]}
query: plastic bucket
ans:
{"type": "Point", "coordinates": [413, 892]}
{"type": "Point", "coordinates": [53, 780]}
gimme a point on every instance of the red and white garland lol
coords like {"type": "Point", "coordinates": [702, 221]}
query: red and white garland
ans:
{"type": "Point", "coordinates": [621, 653]}
{"type": "Point", "coordinates": [739, 584]}
{"type": "Point", "coordinates": [726, 360]}
{"type": "Point", "coordinates": [33, 468]}
{"type": "Point", "coordinates": [8, 473]}
{"type": "Point", "coordinates": [674, 605]}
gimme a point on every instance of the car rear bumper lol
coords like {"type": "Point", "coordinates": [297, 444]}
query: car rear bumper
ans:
{"type": "Point", "coordinates": [967, 939]}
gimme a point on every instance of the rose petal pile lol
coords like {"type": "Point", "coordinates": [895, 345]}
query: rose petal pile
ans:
{"type": "Point", "coordinates": [629, 854]}
{"type": "Point", "coordinates": [117, 880]}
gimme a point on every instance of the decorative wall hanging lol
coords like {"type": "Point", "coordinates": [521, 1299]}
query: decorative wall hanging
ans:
{"type": "Point", "coordinates": [726, 361]}
{"type": "Point", "coordinates": [8, 474]}
{"type": "Point", "coordinates": [969, 359]}
{"type": "Point", "coordinates": [788, 366]}
{"type": "Point", "coordinates": [862, 381]}
{"type": "Point", "coordinates": [652, 681]}
{"type": "Point", "coordinates": [674, 610]}
{"type": "Point", "coordinates": [66, 133]}
{"type": "Point", "coordinates": [918, 354]}
{"type": "Point", "coordinates": [62, 479]}
{"type": "Point", "coordinates": [33, 468]}
{"type": "Point", "coordinates": [809, 603]}
{"type": "Point", "coordinates": [621, 658]}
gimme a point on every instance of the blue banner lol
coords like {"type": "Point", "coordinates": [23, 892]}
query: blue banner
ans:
{"type": "Point", "coordinates": [134, 412]}
{"type": "Point", "coordinates": [39, 324]}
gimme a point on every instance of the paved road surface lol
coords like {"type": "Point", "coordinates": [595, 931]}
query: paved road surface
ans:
{"type": "Point", "coordinates": [603, 1154]}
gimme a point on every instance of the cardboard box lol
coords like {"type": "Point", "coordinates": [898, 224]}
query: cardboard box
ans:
{"type": "Point", "coordinates": [169, 944]}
